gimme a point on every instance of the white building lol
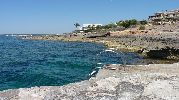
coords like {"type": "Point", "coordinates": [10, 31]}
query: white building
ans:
{"type": "Point", "coordinates": [88, 26]}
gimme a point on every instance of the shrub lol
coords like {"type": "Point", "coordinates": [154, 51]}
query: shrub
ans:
{"type": "Point", "coordinates": [127, 23]}
{"type": "Point", "coordinates": [142, 27]}
{"type": "Point", "coordinates": [133, 22]}
{"type": "Point", "coordinates": [143, 22]}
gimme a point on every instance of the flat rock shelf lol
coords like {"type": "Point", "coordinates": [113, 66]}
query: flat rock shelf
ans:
{"type": "Point", "coordinates": [113, 82]}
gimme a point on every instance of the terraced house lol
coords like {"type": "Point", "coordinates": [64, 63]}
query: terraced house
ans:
{"type": "Point", "coordinates": [167, 17]}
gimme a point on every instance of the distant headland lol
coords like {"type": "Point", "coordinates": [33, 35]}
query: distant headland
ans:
{"type": "Point", "coordinates": [156, 37]}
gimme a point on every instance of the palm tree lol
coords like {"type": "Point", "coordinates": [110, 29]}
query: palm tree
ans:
{"type": "Point", "coordinates": [77, 25]}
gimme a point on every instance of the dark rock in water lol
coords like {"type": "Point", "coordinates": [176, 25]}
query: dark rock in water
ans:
{"type": "Point", "coordinates": [140, 51]}
{"type": "Point", "coordinates": [166, 53]}
{"type": "Point", "coordinates": [158, 54]}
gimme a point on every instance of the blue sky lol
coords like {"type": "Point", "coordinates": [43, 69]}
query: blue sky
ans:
{"type": "Point", "coordinates": [58, 16]}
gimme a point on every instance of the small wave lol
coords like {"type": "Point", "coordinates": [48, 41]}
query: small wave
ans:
{"type": "Point", "coordinates": [10, 35]}
{"type": "Point", "coordinates": [98, 67]}
{"type": "Point", "coordinates": [109, 50]}
{"type": "Point", "coordinates": [93, 73]}
{"type": "Point", "coordinates": [112, 48]}
{"type": "Point", "coordinates": [115, 64]}
{"type": "Point", "coordinates": [99, 63]}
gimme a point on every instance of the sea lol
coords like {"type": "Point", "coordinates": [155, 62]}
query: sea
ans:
{"type": "Point", "coordinates": [29, 63]}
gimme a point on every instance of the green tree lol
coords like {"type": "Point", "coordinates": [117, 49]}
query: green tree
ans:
{"type": "Point", "coordinates": [98, 27]}
{"type": "Point", "coordinates": [143, 22]}
{"type": "Point", "coordinates": [112, 25]}
{"type": "Point", "coordinates": [77, 25]}
{"type": "Point", "coordinates": [127, 23]}
{"type": "Point", "coordinates": [133, 22]}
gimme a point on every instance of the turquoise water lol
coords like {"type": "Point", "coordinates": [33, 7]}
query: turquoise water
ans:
{"type": "Point", "coordinates": [28, 63]}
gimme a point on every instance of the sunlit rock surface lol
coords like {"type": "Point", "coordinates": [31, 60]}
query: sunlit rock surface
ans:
{"type": "Point", "coordinates": [113, 82]}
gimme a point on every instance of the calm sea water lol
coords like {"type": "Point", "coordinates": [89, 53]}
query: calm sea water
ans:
{"type": "Point", "coordinates": [28, 63]}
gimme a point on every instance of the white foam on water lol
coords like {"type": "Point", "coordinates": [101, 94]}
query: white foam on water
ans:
{"type": "Point", "coordinates": [99, 63]}
{"type": "Point", "coordinates": [109, 50]}
{"type": "Point", "coordinates": [114, 64]}
{"type": "Point", "coordinates": [23, 35]}
{"type": "Point", "coordinates": [99, 67]}
{"type": "Point", "coordinates": [92, 73]}
{"type": "Point", "coordinates": [112, 48]}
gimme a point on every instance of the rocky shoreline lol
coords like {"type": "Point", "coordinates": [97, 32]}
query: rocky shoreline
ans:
{"type": "Point", "coordinates": [113, 82]}
{"type": "Point", "coordinates": [119, 82]}
{"type": "Point", "coordinates": [154, 42]}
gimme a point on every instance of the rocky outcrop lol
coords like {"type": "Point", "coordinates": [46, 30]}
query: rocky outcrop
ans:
{"type": "Point", "coordinates": [156, 41]}
{"type": "Point", "coordinates": [113, 82]}
{"type": "Point", "coordinates": [164, 53]}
